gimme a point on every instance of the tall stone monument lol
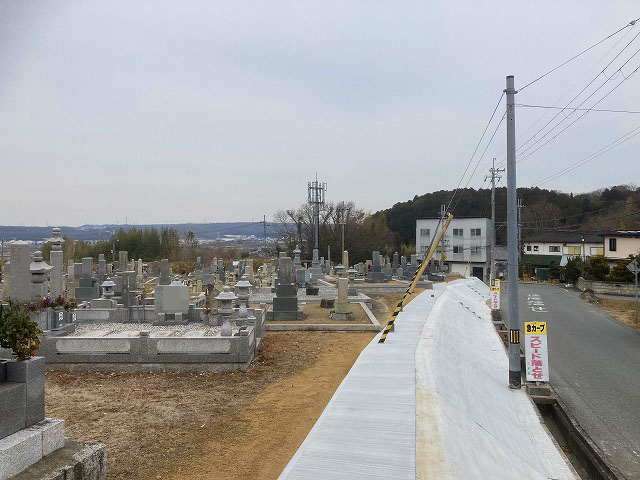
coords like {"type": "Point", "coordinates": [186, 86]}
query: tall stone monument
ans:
{"type": "Point", "coordinates": [19, 288]}
{"type": "Point", "coordinates": [56, 257]}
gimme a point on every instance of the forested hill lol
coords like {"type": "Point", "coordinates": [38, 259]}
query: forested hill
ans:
{"type": "Point", "coordinates": [605, 209]}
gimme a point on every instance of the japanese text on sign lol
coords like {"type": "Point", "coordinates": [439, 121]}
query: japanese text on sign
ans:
{"type": "Point", "coordinates": [495, 298]}
{"type": "Point", "coordinates": [535, 350]}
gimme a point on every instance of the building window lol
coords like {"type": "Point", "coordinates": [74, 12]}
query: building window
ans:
{"type": "Point", "coordinates": [613, 244]}
{"type": "Point", "coordinates": [457, 249]}
{"type": "Point", "coordinates": [475, 250]}
{"type": "Point", "coordinates": [574, 250]}
{"type": "Point", "coordinates": [528, 248]}
{"type": "Point", "coordinates": [554, 248]}
{"type": "Point", "coordinates": [535, 248]}
{"type": "Point", "coordinates": [425, 232]}
{"type": "Point", "coordinates": [597, 250]}
{"type": "Point", "coordinates": [457, 232]}
{"type": "Point", "coordinates": [476, 232]}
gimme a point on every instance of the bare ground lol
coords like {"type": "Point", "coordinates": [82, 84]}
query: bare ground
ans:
{"type": "Point", "coordinates": [622, 310]}
{"type": "Point", "coordinates": [208, 425]}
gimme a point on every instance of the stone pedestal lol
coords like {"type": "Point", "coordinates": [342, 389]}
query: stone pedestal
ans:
{"type": "Point", "coordinates": [343, 310]}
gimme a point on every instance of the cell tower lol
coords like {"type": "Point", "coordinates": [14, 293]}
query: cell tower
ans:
{"type": "Point", "coordinates": [317, 193]}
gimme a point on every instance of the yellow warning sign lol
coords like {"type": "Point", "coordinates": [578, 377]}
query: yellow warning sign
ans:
{"type": "Point", "coordinates": [495, 289]}
{"type": "Point", "coordinates": [535, 328]}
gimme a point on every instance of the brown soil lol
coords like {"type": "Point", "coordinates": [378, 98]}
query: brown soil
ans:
{"type": "Point", "coordinates": [315, 314]}
{"type": "Point", "coordinates": [208, 425]}
{"type": "Point", "coordinates": [385, 303]}
{"type": "Point", "coordinates": [622, 310]}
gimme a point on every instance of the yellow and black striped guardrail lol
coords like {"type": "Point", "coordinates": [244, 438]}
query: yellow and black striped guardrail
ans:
{"type": "Point", "coordinates": [414, 281]}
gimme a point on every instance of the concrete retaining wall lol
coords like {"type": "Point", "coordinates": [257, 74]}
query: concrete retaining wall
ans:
{"type": "Point", "coordinates": [609, 288]}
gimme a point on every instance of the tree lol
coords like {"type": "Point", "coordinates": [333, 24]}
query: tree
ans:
{"type": "Point", "coordinates": [364, 233]}
{"type": "Point", "coordinates": [597, 268]}
{"type": "Point", "coordinates": [573, 270]}
{"type": "Point", "coordinates": [620, 272]}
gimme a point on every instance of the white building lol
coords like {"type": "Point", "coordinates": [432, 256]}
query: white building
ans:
{"type": "Point", "coordinates": [467, 245]}
{"type": "Point", "coordinates": [542, 248]}
{"type": "Point", "coordinates": [619, 245]}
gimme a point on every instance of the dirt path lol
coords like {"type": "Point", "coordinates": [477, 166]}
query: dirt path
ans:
{"type": "Point", "coordinates": [239, 425]}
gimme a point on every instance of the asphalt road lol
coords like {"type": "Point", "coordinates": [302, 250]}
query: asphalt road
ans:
{"type": "Point", "coordinates": [595, 369]}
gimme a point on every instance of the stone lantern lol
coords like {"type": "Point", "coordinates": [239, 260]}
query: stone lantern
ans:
{"type": "Point", "coordinates": [39, 270]}
{"type": "Point", "coordinates": [225, 308]}
{"type": "Point", "coordinates": [107, 288]}
{"type": "Point", "coordinates": [242, 291]}
{"type": "Point", "coordinates": [351, 273]}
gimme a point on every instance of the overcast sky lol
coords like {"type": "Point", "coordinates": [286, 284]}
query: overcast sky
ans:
{"type": "Point", "coordinates": [155, 111]}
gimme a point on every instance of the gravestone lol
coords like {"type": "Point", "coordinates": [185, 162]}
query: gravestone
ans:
{"type": "Point", "coordinates": [395, 261]}
{"type": "Point", "coordinates": [123, 260]}
{"type": "Point", "coordinates": [342, 311]}
{"type": "Point", "coordinates": [165, 274]}
{"type": "Point", "coordinates": [171, 302]}
{"type": "Point", "coordinates": [19, 288]}
{"type": "Point", "coordinates": [102, 268]}
{"type": "Point", "coordinates": [56, 257]}
{"type": "Point", "coordinates": [88, 287]}
{"type": "Point", "coordinates": [375, 275]}
{"type": "Point", "coordinates": [39, 270]}
{"type": "Point", "coordinates": [285, 302]}
{"type": "Point", "coordinates": [316, 269]}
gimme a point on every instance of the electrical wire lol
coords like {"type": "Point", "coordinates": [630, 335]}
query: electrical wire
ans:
{"type": "Point", "coordinates": [577, 109]}
{"type": "Point", "coordinates": [631, 23]}
{"type": "Point", "coordinates": [579, 117]}
{"type": "Point", "coordinates": [598, 221]}
{"type": "Point", "coordinates": [475, 150]}
{"type": "Point", "coordinates": [559, 219]}
{"type": "Point", "coordinates": [619, 141]}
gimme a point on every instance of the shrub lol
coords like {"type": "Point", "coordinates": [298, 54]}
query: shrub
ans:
{"type": "Point", "coordinates": [17, 331]}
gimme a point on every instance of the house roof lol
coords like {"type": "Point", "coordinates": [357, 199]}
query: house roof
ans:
{"type": "Point", "coordinates": [558, 236]}
{"type": "Point", "coordinates": [623, 233]}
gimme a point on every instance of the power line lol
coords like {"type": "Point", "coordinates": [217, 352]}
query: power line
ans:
{"type": "Point", "coordinates": [559, 219]}
{"type": "Point", "coordinates": [631, 23]}
{"type": "Point", "coordinates": [581, 116]}
{"type": "Point", "coordinates": [619, 141]}
{"type": "Point", "coordinates": [598, 221]}
{"type": "Point", "coordinates": [479, 160]}
{"type": "Point", "coordinates": [475, 150]}
{"type": "Point", "coordinates": [577, 109]}
{"type": "Point", "coordinates": [566, 107]}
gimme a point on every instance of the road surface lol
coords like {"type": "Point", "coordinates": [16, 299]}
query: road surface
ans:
{"type": "Point", "coordinates": [595, 369]}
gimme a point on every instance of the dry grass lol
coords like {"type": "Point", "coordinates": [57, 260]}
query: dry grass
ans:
{"type": "Point", "coordinates": [622, 310]}
{"type": "Point", "coordinates": [208, 425]}
{"type": "Point", "coordinates": [385, 303]}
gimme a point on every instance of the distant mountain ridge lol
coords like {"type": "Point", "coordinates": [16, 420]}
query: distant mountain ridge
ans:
{"type": "Point", "coordinates": [202, 231]}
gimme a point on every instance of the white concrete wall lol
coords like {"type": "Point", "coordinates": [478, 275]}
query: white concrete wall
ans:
{"type": "Point", "coordinates": [469, 424]}
{"type": "Point", "coordinates": [625, 246]}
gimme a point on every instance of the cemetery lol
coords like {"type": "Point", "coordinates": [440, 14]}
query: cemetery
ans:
{"type": "Point", "coordinates": [113, 317]}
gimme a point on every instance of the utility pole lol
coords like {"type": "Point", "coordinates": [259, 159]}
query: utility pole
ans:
{"type": "Point", "coordinates": [264, 223]}
{"type": "Point", "coordinates": [520, 207]}
{"type": "Point", "coordinates": [443, 214]}
{"type": "Point", "coordinates": [343, 220]}
{"type": "Point", "coordinates": [512, 240]}
{"type": "Point", "coordinates": [495, 174]}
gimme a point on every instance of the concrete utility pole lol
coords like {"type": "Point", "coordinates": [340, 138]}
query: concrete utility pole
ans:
{"type": "Point", "coordinates": [343, 220]}
{"type": "Point", "coordinates": [512, 239]}
{"type": "Point", "coordinates": [264, 223]}
{"type": "Point", "coordinates": [520, 207]}
{"type": "Point", "coordinates": [443, 215]}
{"type": "Point", "coordinates": [495, 174]}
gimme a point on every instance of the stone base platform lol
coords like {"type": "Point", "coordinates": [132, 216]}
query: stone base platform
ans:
{"type": "Point", "coordinates": [25, 447]}
{"type": "Point", "coordinates": [285, 316]}
{"type": "Point", "coordinates": [75, 461]}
